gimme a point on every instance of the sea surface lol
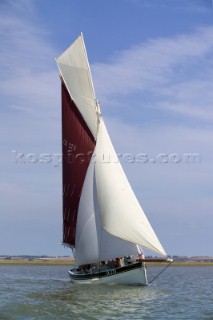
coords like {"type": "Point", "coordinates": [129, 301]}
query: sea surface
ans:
{"type": "Point", "coordinates": [45, 292]}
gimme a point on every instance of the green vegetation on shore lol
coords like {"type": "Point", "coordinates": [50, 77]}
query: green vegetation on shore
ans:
{"type": "Point", "coordinates": [62, 262]}
{"type": "Point", "coordinates": [37, 262]}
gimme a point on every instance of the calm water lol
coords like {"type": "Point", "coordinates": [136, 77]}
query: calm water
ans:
{"type": "Point", "coordinates": [30, 292]}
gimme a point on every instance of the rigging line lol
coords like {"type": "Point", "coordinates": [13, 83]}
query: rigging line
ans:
{"type": "Point", "coordinates": [160, 272]}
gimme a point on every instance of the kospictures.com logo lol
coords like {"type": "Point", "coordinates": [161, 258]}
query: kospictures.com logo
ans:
{"type": "Point", "coordinates": [57, 159]}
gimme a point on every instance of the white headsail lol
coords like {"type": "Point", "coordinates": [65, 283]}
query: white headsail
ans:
{"type": "Point", "coordinates": [93, 243]}
{"type": "Point", "coordinates": [121, 213]}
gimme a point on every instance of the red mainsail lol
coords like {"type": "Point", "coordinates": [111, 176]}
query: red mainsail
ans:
{"type": "Point", "coordinates": [77, 147]}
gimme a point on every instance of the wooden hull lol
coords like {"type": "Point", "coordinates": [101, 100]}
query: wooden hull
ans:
{"type": "Point", "coordinates": [134, 274]}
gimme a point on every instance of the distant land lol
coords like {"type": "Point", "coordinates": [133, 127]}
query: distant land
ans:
{"type": "Point", "coordinates": [68, 260]}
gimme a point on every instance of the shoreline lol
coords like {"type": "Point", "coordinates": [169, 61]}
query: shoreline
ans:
{"type": "Point", "coordinates": [182, 264]}
{"type": "Point", "coordinates": [37, 262]}
{"type": "Point", "coordinates": [61, 262]}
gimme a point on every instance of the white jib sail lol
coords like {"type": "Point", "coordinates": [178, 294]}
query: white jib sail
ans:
{"type": "Point", "coordinates": [121, 213]}
{"type": "Point", "coordinates": [74, 68]}
{"type": "Point", "coordinates": [92, 243]}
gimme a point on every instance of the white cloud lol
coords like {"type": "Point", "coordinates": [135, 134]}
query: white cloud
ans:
{"type": "Point", "coordinates": [29, 85]}
{"type": "Point", "coordinates": [28, 75]}
{"type": "Point", "coordinates": [30, 111]}
{"type": "Point", "coordinates": [191, 98]}
{"type": "Point", "coordinates": [175, 71]}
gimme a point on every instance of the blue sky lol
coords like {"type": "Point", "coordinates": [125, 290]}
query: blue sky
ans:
{"type": "Point", "coordinates": [151, 62]}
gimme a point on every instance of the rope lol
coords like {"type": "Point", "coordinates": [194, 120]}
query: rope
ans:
{"type": "Point", "coordinates": [160, 273]}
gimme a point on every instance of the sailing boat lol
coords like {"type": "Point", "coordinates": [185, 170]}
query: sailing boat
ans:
{"type": "Point", "coordinates": [103, 222]}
